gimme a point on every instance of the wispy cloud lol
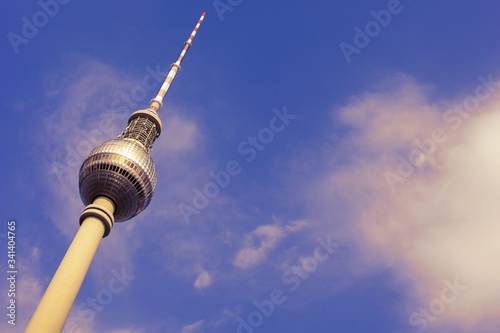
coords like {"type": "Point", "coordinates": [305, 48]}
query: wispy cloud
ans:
{"type": "Point", "coordinates": [441, 221]}
{"type": "Point", "coordinates": [261, 241]}
{"type": "Point", "coordinates": [204, 280]}
{"type": "Point", "coordinates": [193, 328]}
{"type": "Point", "coordinates": [257, 244]}
{"type": "Point", "coordinates": [28, 286]}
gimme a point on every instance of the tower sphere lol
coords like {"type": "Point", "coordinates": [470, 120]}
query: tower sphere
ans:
{"type": "Point", "coordinates": [122, 169]}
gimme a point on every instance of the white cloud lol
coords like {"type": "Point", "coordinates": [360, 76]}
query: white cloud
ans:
{"type": "Point", "coordinates": [193, 328]}
{"type": "Point", "coordinates": [297, 225]}
{"type": "Point", "coordinates": [263, 240]}
{"type": "Point", "coordinates": [441, 222]}
{"type": "Point", "coordinates": [178, 134]}
{"type": "Point", "coordinates": [204, 280]}
{"type": "Point", "coordinates": [28, 288]}
{"type": "Point", "coordinates": [257, 244]}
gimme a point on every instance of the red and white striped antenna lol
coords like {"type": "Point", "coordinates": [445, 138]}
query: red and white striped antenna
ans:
{"type": "Point", "coordinates": [157, 102]}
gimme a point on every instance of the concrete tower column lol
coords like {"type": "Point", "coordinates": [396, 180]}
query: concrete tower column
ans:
{"type": "Point", "coordinates": [95, 223]}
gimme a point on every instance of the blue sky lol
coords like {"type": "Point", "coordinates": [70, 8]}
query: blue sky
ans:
{"type": "Point", "coordinates": [361, 137]}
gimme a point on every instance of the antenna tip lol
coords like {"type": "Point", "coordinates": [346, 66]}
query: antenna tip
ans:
{"type": "Point", "coordinates": [204, 13]}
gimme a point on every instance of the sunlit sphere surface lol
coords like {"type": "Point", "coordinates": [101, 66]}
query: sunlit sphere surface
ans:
{"type": "Point", "coordinates": [121, 170]}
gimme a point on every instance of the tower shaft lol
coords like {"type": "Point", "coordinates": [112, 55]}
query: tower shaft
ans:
{"type": "Point", "coordinates": [60, 295]}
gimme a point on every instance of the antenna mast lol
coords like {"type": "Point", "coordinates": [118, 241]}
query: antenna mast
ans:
{"type": "Point", "coordinates": [157, 102]}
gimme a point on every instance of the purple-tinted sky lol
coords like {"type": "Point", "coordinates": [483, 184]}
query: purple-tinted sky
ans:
{"type": "Point", "coordinates": [324, 166]}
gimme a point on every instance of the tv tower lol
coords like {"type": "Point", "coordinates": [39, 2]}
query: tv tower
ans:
{"type": "Point", "coordinates": [116, 182]}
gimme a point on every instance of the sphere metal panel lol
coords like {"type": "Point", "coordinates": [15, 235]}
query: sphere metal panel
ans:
{"type": "Point", "coordinates": [122, 170]}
